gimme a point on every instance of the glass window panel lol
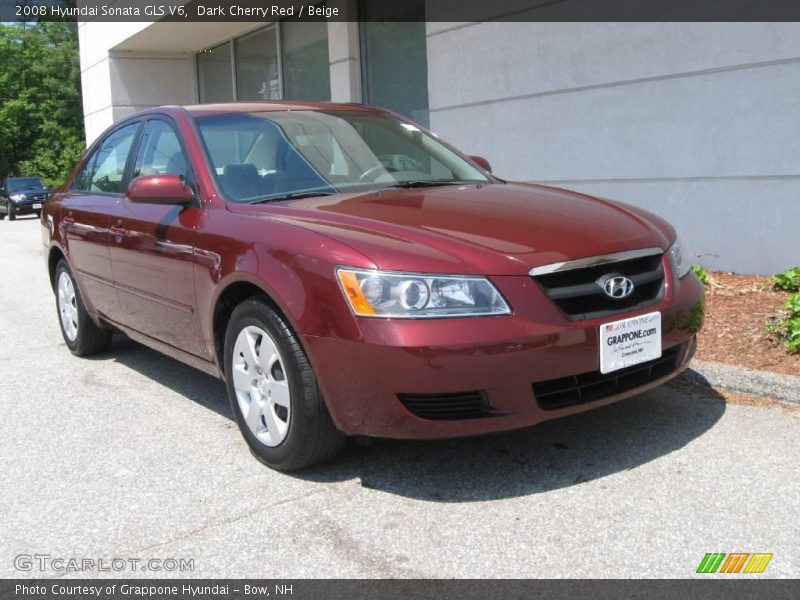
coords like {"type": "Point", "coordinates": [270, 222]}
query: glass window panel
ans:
{"type": "Point", "coordinates": [160, 152]}
{"type": "Point", "coordinates": [306, 64]}
{"type": "Point", "coordinates": [215, 79]}
{"type": "Point", "coordinates": [269, 154]}
{"type": "Point", "coordinates": [257, 74]}
{"type": "Point", "coordinates": [395, 64]}
{"type": "Point", "coordinates": [109, 163]}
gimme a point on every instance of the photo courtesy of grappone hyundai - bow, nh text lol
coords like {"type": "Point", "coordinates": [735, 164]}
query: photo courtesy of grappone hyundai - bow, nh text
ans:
{"type": "Point", "coordinates": [348, 273]}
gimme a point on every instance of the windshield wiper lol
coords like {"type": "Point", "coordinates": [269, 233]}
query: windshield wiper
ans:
{"type": "Point", "coordinates": [419, 183]}
{"type": "Point", "coordinates": [292, 196]}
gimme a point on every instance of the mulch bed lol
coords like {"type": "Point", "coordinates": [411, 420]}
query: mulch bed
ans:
{"type": "Point", "coordinates": [738, 309]}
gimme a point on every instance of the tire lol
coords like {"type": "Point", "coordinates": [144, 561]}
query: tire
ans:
{"type": "Point", "coordinates": [38, 214]}
{"type": "Point", "coordinates": [2, 216]}
{"type": "Point", "coordinates": [273, 391]}
{"type": "Point", "coordinates": [82, 336]}
{"type": "Point", "coordinates": [11, 214]}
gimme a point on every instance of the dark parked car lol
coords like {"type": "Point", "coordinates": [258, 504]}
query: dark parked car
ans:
{"type": "Point", "coordinates": [339, 293]}
{"type": "Point", "coordinates": [22, 196]}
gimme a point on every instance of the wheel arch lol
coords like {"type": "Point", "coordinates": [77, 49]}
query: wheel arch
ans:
{"type": "Point", "coordinates": [54, 255]}
{"type": "Point", "coordinates": [232, 294]}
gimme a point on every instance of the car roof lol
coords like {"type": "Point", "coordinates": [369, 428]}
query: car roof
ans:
{"type": "Point", "coordinates": [272, 106]}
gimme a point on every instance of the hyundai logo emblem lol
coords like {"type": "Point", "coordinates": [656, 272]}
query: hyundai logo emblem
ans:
{"type": "Point", "coordinates": [616, 286]}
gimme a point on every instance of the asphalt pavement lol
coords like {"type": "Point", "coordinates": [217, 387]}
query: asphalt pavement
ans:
{"type": "Point", "coordinates": [133, 455]}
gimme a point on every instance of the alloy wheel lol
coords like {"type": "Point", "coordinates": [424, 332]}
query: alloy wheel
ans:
{"type": "Point", "coordinates": [68, 306]}
{"type": "Point", "coordinates": [261, 386]}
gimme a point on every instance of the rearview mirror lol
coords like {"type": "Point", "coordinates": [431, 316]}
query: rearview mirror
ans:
{"type": "Point", "coordinates": [482, 163]}
{"type": "Point", "coordinates": [159, 189]}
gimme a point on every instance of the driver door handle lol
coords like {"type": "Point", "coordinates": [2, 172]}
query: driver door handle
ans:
{"type": "Point", "coordinates": [118, 231]}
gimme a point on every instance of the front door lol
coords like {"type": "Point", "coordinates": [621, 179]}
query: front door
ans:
{"type": "Point", "coordinates": [152, 250]}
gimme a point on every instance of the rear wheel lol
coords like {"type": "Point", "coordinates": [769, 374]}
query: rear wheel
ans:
{"type": "Point", "coordinates": [2, 216]}
{"type": "Point", "coordinates": [82, 336]}
{"type": "Point", "coordinates": [274, 393]}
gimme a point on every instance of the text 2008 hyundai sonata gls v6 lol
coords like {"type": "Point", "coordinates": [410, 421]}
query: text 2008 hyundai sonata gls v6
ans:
{"type": "Point", "coordinates": [347, 273]}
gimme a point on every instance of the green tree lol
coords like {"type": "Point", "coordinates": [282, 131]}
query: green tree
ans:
{"type": "Point", "coordinates": [41, 120]}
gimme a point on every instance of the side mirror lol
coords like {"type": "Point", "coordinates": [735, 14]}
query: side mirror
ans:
{"type": "Point", "coordinates": [482, 163]}
{"type": "Point", "coordinates": [159, 189]}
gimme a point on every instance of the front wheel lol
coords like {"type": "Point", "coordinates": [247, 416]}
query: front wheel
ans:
{"type": "Point", "coordinates": [82, 336]}
{"type": "Point", "coordinates": [273, 391]}
{"type": "Point", "coordinates": [11, 214]}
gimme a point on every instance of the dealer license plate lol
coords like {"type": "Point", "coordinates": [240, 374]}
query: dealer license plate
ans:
{"type": "Point", "coordinates": [629, 342]}
{"type": "Point", "coordinates": [37, 206]}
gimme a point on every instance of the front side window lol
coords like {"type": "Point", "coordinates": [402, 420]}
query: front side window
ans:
{"type": "Point", "coordinates": [105, 169]}
{"type": "Point", "coordinates": [258, 156]}
{"type": "Point", "coordinates": [160, 151]}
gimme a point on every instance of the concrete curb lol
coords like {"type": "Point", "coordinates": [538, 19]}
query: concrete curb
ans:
{"type": "Point", "coordinates": [748, 381]}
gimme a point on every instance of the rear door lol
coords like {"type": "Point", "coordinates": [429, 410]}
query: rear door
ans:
{"type": "Point", "coordinates": [152, 249]}
{"type": "Point", "coordinates": [86, 214]}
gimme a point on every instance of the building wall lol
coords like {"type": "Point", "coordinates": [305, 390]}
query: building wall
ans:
{"type": "Point", "coordinates": [696, 122]}
{"type": "Point", "coordinates": [126, 67]}
{"type": "Point", "coordinates": [117, 83]}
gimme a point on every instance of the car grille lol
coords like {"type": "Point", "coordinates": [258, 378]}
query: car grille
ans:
{"type": "Point", "coordinates": [578, 294]}
{"type": "Point", "coordinates": [461, 405]}
{"type": "Point", "coordinates": [594, 385]}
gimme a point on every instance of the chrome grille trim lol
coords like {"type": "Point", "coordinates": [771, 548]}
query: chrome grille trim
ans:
{"type": "Point", "coordinates": [593, 261]}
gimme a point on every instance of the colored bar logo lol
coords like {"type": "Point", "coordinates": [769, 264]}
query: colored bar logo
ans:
{"type": "Point", "coordinates": [735, 562]}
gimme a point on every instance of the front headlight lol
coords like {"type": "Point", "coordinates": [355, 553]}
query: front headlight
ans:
{"type": "Point", "coordinates": [415, 296]}
{"type": "Point", "coordinates": [18, 197]}
{"type": "Point", "coordinates": [680, 262]}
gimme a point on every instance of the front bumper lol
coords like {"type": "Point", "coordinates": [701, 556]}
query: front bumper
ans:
{"type": "Point", "coordinates": [26, 207]}
{"type": "Point", "coordinates": [499, 358]}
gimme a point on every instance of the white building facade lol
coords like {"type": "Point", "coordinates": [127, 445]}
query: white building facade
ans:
{"type": "Point", "coordinates": [697, 122]}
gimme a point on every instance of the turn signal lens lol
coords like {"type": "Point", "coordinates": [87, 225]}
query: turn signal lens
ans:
{"type": "Point", "coordinates": [354, 293]}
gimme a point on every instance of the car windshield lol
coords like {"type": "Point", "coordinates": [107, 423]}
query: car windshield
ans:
{"type": "Point", "coordinates": [24, 183]}
{"type": "Point", "coordinates": [274, 155]}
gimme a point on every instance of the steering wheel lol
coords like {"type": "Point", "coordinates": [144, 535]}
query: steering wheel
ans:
{"type": "Point", "coordinates": [375, 169]}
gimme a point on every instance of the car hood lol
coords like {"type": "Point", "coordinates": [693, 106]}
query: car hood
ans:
{"type": "Point", "coordinates": [494, 229]}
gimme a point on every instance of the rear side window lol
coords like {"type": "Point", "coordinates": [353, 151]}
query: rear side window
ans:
{"type": "Point", "coordinates": [106, 167]}
{"type": "Point", "coordinates": [160, 152]}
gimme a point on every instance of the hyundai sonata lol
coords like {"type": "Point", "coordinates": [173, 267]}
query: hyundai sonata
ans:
{"type": "Point", "coordinates": [346, 273]}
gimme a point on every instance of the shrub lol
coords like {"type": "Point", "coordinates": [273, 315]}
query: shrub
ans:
{"type": "Point", "coordinates": [787, 328]}
{"type": "Point", "coordinates": [701, 273]}
{"type": "Point", "coordinates": [788, 281]}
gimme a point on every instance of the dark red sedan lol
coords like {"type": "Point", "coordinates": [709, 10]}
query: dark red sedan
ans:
{"type": "Point", "coordinates": [348, 273]}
